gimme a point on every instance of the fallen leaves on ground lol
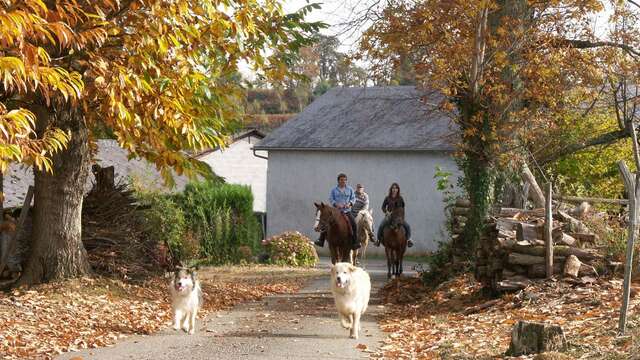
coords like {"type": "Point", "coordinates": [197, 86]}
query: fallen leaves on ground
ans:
{"type": "Point", "coordinates": [431, 324]}
{"type": "Point", "coordinates": [86, 313]}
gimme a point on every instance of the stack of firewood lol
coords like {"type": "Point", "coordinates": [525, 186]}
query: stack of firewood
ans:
{"type": "Point", "coordinates": [513, 248]}
{"type": "Point", "coordinates": [459, 213]}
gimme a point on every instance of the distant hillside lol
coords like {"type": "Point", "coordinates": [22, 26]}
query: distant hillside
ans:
{"type": "Point", "coordinates": [265, 122]}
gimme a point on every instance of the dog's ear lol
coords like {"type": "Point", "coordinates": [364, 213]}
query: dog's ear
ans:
{"type": "Point", "coordinates": [352, 268]}
{"type": "Point", "coordinates": [317, 205]}
{"type": "Point", "coordinates": [322, 205]}
{"type": "Point", "coordinates": [332, 267]}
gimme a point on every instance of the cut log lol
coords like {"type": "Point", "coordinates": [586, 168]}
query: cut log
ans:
{"type": "Point", "coordinates": [583, 238]}
{"type": "Point", "coordinates": [463, 202]}
{"type": "Point", "coordinates": [537, 271]}
{"type": "Point", "coordinates": [506, 242]}
{"type": "Point", "coordinates": [580, 211]}
{"type": "Point", "coordinates": [508, 273]}
{"type": "Point", "coordinates": [528, 232]}
{"type": "Point", "coordinates": [572, 224]}
{"type": "Point", "coordinates": [564, 239]}
{"type": "Point", "coordinates": [506, 234]}
{"type": "Point", "coordinates": [105, 177]}
{"type": "Point", "coordinates": [518, 269]}
{"type": "Point", "coordinates": [571, 266]}
{"type": "Point", "coordinates": [515, 283]}
{"type": "Point", "coordinates": [507, 224]}
{"type": "Point", "coordinates": [511, 212]}
{"type": "Point", "coordinates": [535, 191]}
{"type": "Point", "coordinates": [562, 251]}
{"type": "Point", "coordinates": [533, 338]}
{"type": "Point", "coordinates": [527, 260]}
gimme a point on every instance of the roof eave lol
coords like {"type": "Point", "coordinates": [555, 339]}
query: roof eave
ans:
{"type": "Point", "coordinates": [283, 148]}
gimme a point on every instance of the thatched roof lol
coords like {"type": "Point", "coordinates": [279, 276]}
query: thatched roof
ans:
{"type": "Point", "coordinates": [398, 118]}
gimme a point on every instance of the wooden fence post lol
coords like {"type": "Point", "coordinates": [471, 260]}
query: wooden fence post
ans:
{"type": "Point", "coordinates": [631, 185]}
{"type": "Point", "coordinates": [548, 228]}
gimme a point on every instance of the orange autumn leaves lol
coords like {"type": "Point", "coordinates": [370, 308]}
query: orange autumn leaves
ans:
{"type": "Point", "coordinates": [160, 74]}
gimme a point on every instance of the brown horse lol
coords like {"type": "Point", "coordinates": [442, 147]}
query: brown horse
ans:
{"type": "Point", "coordinates": [338, 231]}
{"type": "Point", "coordinates": [395, 242]}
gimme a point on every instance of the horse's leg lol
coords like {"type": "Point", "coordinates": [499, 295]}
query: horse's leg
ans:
{"type": "Point", "coordinates": [397, 262]}
{"type": "Point", "coordinates": [388, 255]}
{"type": "Point", "coordinates": [334, 255]}
{"type": "Point", "coordinates": [363, 257]}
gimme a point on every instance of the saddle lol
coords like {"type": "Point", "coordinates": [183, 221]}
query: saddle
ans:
{"type": "Point", "coordinates": [345, 217]}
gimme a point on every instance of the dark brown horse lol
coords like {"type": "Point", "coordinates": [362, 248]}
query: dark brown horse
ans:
{"type": "Point", "coordinates": [395, 242]}
{"type": "Point", "coordinates": [338, 231]}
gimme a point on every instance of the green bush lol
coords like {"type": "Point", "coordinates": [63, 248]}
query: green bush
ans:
{"type": "Point", "coordinates": [221, 216]}
{"type": "Point", "coordinates": [291, 249]}
{"type": "Point", "coordinates": [165, 223]}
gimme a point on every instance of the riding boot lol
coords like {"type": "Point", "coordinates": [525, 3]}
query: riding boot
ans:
{"type": "Point", "coordinates": [407, 230]}
{"type": "Point", "coordinates": [320, 241]}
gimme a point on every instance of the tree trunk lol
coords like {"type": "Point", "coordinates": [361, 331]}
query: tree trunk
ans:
{"type": "Point", "coordinates": [479, 184]}
{"type": "Point", "coordinates": [57, 251]}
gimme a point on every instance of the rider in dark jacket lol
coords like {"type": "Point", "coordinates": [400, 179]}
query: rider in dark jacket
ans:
{"type": "Point", "coordinates": [392, 201]}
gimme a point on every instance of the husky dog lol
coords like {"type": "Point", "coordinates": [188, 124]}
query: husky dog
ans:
{"type": "Point", "coordinates": [186, 299]}
{"type": "Point", "coordinates": [351, 287]}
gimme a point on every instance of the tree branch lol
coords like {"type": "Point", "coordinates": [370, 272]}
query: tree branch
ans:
{"type": "Point", "coordinates": [603, 139]}
{"type": "Point", "coordinates": [586, 44]}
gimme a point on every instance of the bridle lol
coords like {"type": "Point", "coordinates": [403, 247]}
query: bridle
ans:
{"type": "Point", "coordinates": [323, 225]}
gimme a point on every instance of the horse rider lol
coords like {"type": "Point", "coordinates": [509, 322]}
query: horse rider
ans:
{"type": "Point", "coordinates": [342, 197]}
{"type": "Point", "coordinates": [361, 204]}
{"type": "Point", "coordinates": [392, 201]}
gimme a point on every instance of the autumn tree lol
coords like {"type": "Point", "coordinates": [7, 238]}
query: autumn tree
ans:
{"type": "Point", "coordinates": [506, 68]}
{"type": "Point", "coordinates": [136, 67]}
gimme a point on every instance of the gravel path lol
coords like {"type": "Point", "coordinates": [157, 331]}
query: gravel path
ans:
{"type": "Point", "coordinates": [303, 325]}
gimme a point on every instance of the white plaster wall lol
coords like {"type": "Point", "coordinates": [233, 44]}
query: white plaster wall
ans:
{"type": "Point", "coordinates": [298, 178]}
{"type": "Point", "coordinates": [237, 165]}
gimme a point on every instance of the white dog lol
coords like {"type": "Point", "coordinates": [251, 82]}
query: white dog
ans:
{"type": "Point", "coordinates": [351, 287]}
{"type": "Point", "coordinates": [186, 299]}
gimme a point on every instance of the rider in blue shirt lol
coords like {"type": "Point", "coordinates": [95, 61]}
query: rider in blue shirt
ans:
{"type": "Point", "coordinates": [342, 197]}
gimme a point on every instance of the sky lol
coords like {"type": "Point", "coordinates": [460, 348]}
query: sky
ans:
{"type": "Point", "coordinates": [335, 13]}
{"type": "Point", "coordinates": [338, 13]}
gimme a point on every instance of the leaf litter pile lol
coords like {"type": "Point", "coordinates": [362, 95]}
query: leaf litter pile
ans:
{"type": "Point", "coordinates": [455, 321]}
{"type": "Point", "coordinates": [86, 313]}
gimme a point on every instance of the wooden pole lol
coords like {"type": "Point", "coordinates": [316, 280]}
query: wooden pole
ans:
{"type": "Point", "coordinates": [548, 228]}
{"type": "Point", "coordinates": [631, 185]}
{"type": "Point", "coordinates": [578, 199]}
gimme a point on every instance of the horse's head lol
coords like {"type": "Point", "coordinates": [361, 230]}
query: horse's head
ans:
{"type": "Point", "coordinates": [366, 219]}
{"type": "Point", "coordinates": [396, 218]}
{"type": "Point", "coordinates": [324, 217]}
